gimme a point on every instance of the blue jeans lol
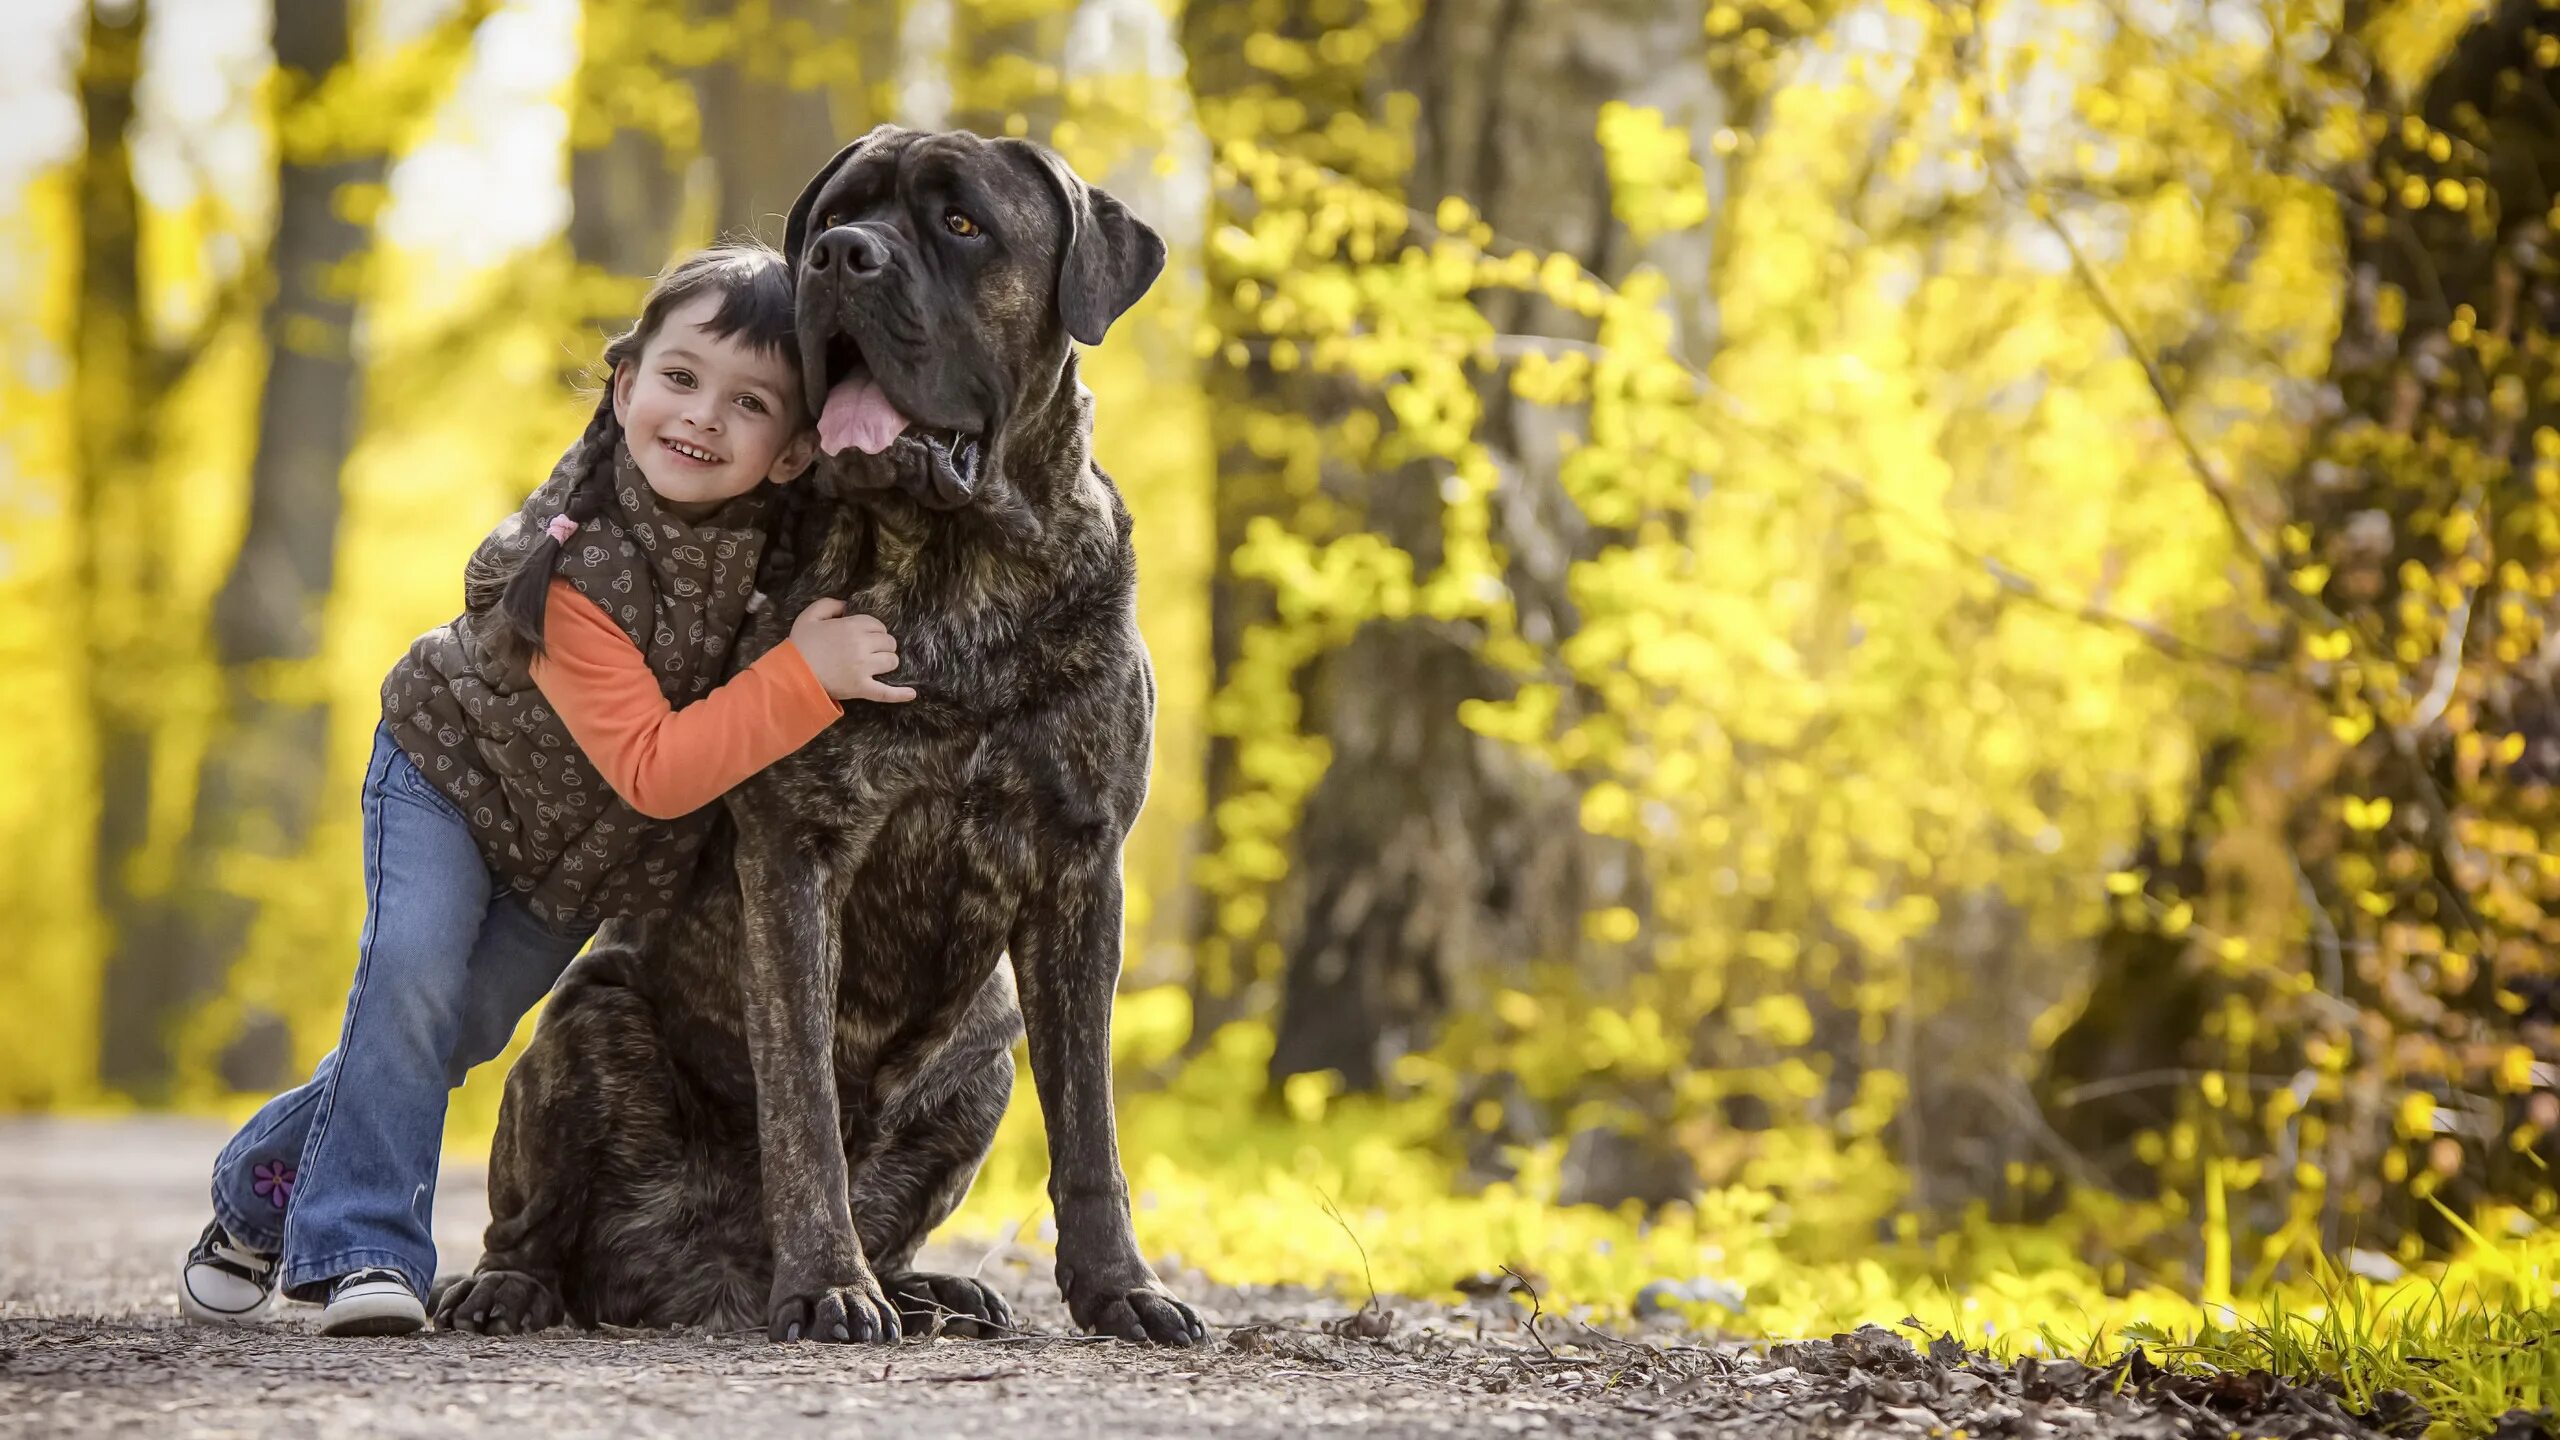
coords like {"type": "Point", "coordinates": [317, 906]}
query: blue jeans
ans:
{"type": "Point", "coordinates": [338, 1174]}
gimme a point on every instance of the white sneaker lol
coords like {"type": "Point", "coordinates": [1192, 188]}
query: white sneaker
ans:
{"type": "Point", "coordinates": [223, 1282]}
{"type": "Point", "coordinates": [372, 1302]}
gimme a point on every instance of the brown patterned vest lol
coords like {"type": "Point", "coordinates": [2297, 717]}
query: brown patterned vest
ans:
{"type": "Point", "coordinates": [548, 826]}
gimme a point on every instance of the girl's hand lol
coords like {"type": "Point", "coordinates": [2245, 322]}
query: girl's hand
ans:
{"type": "Point", "coordinates": [849, 653]}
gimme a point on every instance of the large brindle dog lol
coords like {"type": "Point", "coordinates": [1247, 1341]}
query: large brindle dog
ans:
{"type": "Point", "coordinates": [753, 1114]}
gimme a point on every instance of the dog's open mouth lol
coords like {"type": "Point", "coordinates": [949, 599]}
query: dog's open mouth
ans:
{"type": "Point", "coordinates": [939, 467]}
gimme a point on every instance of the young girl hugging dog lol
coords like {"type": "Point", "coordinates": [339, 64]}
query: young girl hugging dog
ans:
{"type": "Point", "coordinates": [545, 762]}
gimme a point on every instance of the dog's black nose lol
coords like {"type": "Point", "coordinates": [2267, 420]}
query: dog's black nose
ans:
{"type": "Point", "coordinates": [853, 249]}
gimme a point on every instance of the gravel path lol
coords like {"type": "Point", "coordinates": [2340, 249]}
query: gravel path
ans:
{"type": "Point", "coordinates": [93, 1216]}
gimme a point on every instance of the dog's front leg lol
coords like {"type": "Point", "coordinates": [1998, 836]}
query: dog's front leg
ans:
{"type": "Point", "coordinates": [1066, 956]}
{"type": "Point", "coordinates": [823, 1288]}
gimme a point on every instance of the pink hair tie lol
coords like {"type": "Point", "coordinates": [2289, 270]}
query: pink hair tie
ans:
{"type": "Point", "coordinates": [562, 527]}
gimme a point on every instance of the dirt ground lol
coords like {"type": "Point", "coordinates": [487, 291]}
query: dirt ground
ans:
{"type": "Point", "coordinates": [93, 1216]}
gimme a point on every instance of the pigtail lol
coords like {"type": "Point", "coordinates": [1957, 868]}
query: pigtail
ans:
{"type": "Point", "coordinates": [515, 628]}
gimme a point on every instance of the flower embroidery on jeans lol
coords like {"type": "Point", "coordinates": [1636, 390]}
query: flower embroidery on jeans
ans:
{"type": "Point", "coordinates": [273, 1182]}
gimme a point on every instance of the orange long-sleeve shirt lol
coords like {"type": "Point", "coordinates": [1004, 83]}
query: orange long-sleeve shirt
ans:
{"type": "Point", "coordinates": [662, 761]}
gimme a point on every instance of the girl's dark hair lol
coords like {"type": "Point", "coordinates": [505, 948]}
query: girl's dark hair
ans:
{"type": "Point", "coordinates": [754, 285]}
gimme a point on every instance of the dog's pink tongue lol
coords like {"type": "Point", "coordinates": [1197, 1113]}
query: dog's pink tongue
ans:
{"type": "Point", "coordinates": [857, 414]}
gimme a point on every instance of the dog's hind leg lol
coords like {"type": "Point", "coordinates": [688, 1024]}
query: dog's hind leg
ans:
{"type": "Point", "coordinates": [560, 1109]}
{"type": "Point", "coordinates": [910, 1179]}
{"type": "Point", "coordinates": [534, 1199]}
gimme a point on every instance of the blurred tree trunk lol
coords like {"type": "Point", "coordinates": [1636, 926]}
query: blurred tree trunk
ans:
{"type": "Point", "coordinates": [789, 90]}
{"type": "Point", "coordinates": [1238, 933]}
{"type": "Point", "coordinates": [769, 116]}
{"type": "Point", "coordinates": [624, 201]}
{"type": "Point", "coordinates": [261, 784]}
{"type": "Point", "coordinates": [122, 581]}
{"type": "Point", "coordinates": [1005, 60]}
{"type": "Point", "coordinates": [1429, 858]}
{"type": "Point", "coordinates": [1432, 856]}
{"type": "Point", "coordinates": [626, 192]}
{"type": "Point", "coordinates": [2116, 1069]}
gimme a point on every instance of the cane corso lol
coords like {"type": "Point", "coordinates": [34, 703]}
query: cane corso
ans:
{"type": "Point", "coordinates": [752, 1114]}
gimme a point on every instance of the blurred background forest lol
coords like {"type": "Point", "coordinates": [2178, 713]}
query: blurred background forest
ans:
{"type": "Point", "coordinates": [1868, 620]}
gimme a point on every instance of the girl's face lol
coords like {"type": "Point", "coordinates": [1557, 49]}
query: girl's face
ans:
{"type": "Point", "coordinates": [708, 417]}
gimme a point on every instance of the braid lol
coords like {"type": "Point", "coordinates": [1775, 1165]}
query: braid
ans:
{"type": "Point", "coordinates": [517, 632]}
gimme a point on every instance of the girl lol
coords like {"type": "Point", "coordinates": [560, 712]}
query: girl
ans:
{"type": "Point", "coordinates": [544, 763]}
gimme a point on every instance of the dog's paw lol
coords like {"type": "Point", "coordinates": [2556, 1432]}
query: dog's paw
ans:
{"type": "Point", "coordinates": [931, 1305]}
{"type": "Point", "coordinates": [836, 1314]}
{"type": "Point", "coordinates": [498, 1302]}
{"type": "Point", "coordinates": [1133, 1307]}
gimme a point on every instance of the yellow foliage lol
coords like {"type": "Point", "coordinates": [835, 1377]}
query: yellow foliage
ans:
{"type": "Point", "coordinates": [49, 980]}
{"type": "Point", "coordinates": [1929, 509]}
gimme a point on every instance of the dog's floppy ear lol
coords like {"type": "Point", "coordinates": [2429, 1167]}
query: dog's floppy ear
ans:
{"type": "Point", "coordinates": [795, 231]}
{"type": "Point", "coordinates": [1106, 259]}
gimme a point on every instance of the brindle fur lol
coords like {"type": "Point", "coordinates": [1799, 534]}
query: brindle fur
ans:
{"type": "Point", "coordinates": [753, 1113]}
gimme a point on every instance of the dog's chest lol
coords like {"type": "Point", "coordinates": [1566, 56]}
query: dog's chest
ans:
{"type": "Point", "coordinates": [956, 740]}
{"type": "Point", "coordinates": [994, 652]}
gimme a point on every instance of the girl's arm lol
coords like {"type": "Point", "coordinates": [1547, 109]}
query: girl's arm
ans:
{"type": "Point", "coordinates": [662, 761]}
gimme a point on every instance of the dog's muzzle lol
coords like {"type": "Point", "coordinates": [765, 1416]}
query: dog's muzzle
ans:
{"type": "Point", "coordinates": [938, 468]}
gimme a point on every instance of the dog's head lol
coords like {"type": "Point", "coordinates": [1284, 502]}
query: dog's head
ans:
{"type": "Point", "coordinates": [941, 277]}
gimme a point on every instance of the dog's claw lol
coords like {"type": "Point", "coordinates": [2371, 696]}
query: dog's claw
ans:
{"type": "Point", "coordinates": [499, 1302]}
{"type": "Point", "coordinates": [930, 1304]}
{"type": "Point", "coordinates": [1140, 1313]}
{"type": "Point", "coordinates": [1150, 1318]}
{"type": "Point", "coordinates": [835, 1315]}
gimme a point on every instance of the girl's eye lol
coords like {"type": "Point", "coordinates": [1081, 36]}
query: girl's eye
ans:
{"type": "Point", "coordinates": [681, 377]}
{"type": "Point", "coordinates": [961, 225]}
{"type": "Point", "coordinates": [752, 403]}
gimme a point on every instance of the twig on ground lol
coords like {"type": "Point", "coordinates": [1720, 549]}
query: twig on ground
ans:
{"type": "Point", "coordinates": [1365, 1273]}
{"type": "Point", "coordinates": [1648, 1349]}
{"type": "Point", "coordinates": [1006, 1243]}
{"type": "Point", "coordinates": [1537, 1311]}
{"type": "Point", "coordinates": [957, 1379]}
{"type": "Point", "coordinates": [1372, 1321]}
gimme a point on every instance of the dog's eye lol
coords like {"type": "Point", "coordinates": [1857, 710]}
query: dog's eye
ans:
{"type": "Point", "coordinates": [960, 225]}
{"type": "Point", "coordinates": [830, 220]}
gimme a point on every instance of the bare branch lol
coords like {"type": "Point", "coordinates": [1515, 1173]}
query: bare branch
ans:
{"type": "Point", "coordinates": [2013, 580]}
{"type": "Point", "coordinates": [2279, 583]}
{"type": "Point", "coordinates": [2439, 694]}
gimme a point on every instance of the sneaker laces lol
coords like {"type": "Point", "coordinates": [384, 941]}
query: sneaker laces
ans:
{"type": "Point", "coordinates": [366, 1277]}
{"type": "Point", "coordinates": [219, 1250]}
{"type": "Point", "coordinates": [249, 1260]}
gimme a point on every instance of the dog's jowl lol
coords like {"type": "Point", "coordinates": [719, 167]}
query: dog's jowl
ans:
{"type": "Point", "coordinates": [752, 1114]}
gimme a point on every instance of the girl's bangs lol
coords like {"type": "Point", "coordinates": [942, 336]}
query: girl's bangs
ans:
{"type": "Point", "coordinates": [754, 285]}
